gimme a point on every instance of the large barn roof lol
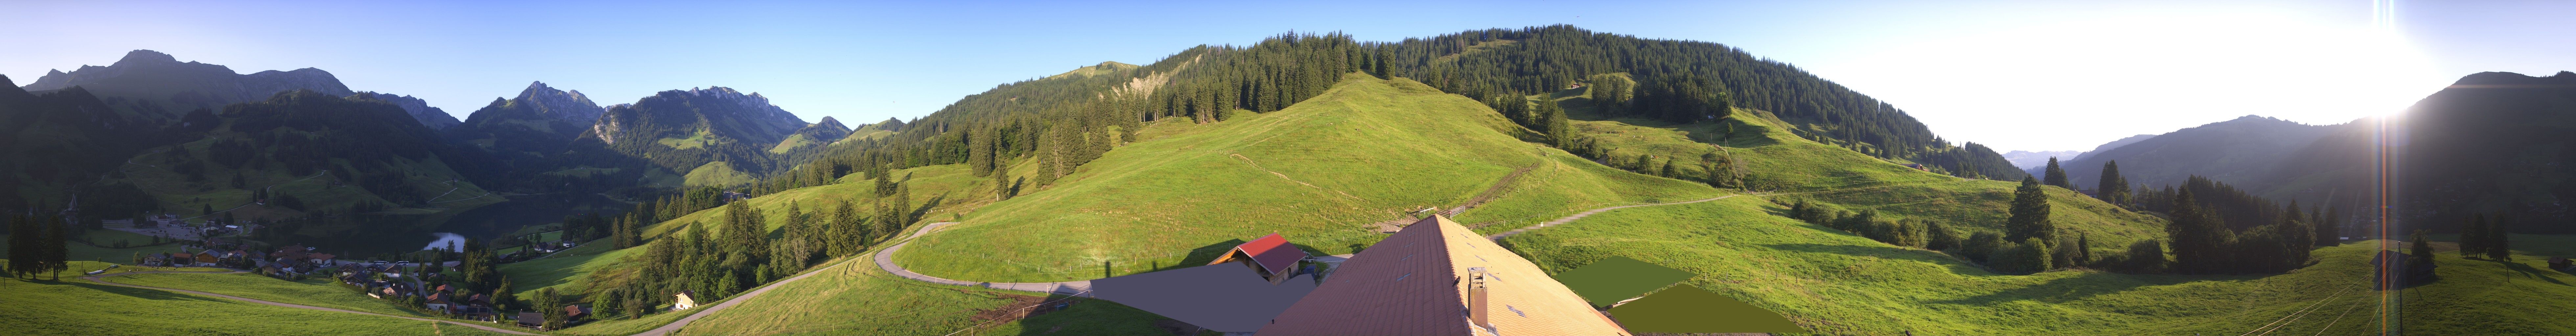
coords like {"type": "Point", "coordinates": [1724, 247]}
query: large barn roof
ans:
{"type": "Point", "coordinates": [1415, 283]}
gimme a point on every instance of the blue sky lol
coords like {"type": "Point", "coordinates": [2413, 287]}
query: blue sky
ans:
{"type": "Point", "coordinates": [2028, 75]}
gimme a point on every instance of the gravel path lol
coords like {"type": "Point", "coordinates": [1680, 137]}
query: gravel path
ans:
{"type": "Point", "coordinates": [885, 260]}
{"type": "Point", "coordinates": [1576, 216]}
{"type": "Point", "coordinates": [95, 278]}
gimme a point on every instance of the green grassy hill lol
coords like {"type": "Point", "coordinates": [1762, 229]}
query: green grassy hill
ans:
{"type": "Point", "coordinates": [1321, 172]}
{"type": "Point", "coordinates": [1839, 283]}
{"type": "Point", "coordinates": [78, 307]}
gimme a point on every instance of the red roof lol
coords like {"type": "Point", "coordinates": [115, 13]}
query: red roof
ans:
{"type": "Point", "coordinates": [1272, 252]}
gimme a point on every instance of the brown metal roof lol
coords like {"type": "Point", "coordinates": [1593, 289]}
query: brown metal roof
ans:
{"type": "Point", "coordinates": [1412, 283]}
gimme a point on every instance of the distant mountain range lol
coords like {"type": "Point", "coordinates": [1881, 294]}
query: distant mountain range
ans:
{"type": "Point", "coordinates": [2491, 143]}
{"type": "Point", "coordinates": [2028, 160]}
{"type": "Point", "coordinates": [260, 128]}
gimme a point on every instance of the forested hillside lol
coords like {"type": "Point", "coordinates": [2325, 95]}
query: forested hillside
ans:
{"type": "Point", "coordinates": [714, 130]}
{"type": "Point", "coordinates": [58, 142]}
{"type": "Point", "coordinates": [304, 152]}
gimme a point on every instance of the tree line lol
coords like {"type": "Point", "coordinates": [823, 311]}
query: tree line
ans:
{"type": "Point", "coordinates": [36, 246]}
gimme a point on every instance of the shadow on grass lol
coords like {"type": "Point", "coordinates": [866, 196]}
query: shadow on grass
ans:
{"type": "Point", "coordinates": [139, 293]}
{"type": "Point", "coordinates": [2534, 272]}
{"type": "Point", "coordinates": [1956, 266]}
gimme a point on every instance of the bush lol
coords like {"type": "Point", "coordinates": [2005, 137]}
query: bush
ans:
{"type": "Point", "coordinates": [2145, 256]}
{"type": "Point", "coordinates": [1982, 244]}
{"type": "Point", "coordinates": [2028, 256]}
{"type": "Point", "coordinates": [1939, 238]}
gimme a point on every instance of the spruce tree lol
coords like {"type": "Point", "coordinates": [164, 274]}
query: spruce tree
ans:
{"type": "Point", "coordinates": [2329, 228]}
{"type": "Point", "coordinates": [2029, 214]}
{"type": "Point", "coordinates": [2295, 235]}
{"type": "Point", "coordinates": [2473, 240]}
{"type": "Point", "coordinates": [2113, 188]}
{"type": "Point", "coordinates": [2056, 176]}
{"type": "Point", "coordinates": [52, 252]}
{"type": "Point", "coordinates": [2423, 247]}
{"type": "Point", "coordinates": [22, 242]}
{"type": "Point", "coordinates": [1001, 184]}
{"type": "Point", "coordinates": [2498, 245]}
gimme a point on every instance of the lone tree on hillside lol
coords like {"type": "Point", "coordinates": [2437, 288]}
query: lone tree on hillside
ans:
{"type": "Point", "coordinates": [2057, 176]}
{"type": "Point", "coordinates": [2029, 214]}
{"type": "Point", "coordinates": [2114, 188]}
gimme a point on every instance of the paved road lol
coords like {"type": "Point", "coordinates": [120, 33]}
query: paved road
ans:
{"type": "Point", "coordinates": [885, 260]}
{"type": "Point", "coordinates": [1576, 216]}
{"type": "Point", "coordinates": [94, 278]}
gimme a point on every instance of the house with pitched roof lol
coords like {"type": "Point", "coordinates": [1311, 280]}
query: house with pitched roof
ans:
{"type": "Point", "coordinates": [1270, 256]}
{"type": "Point", "coordinates": [1435, 277]}
{"type": "Point", "coordinates": [684, 300]}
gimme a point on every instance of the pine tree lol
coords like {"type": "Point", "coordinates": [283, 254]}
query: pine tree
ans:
{"type": "Point", "coordinates": [2473, 240]}
{"type": "Point", "coordinates": [2498, 245]}
{"type": "Point", "coordinates": [2423, 247]}
{"type": "Point", "coordinates": [502, 297]}
{"type": "Point", "coordinates": [2329, 228]}
{"type": "Point", "coordinates": [979, 154]}
{"type": "Point", "coordinates": [2029, 214]}
{"type": "Point", "coordinates": [22, 242]}
{"type": "Point", "coordinates": [1002, 184]}
{"type": "Point", "coordinates": [2114, 188]}
{"type": "Point", "coordinates": [2056, 176]}
{"type": "Point", "coordinates": [2083, 248]}
{"type": "Point", "coordinates": [2295, 237]}
{"type": "Point", "coordinates": [51, 251]}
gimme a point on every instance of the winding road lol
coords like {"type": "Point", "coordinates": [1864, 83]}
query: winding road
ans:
{"type": "Point", "coordinates": [95, 278]}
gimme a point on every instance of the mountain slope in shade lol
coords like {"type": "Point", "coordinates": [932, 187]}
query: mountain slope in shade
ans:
{"type": "Point", "coordinates": [2491, 143]}
{"type": "Point", "coordinates": [155, 86]}
{"type": "Point", "coordinates": [52, 142]}
{"type": "Point", "coordinates": [526, 130]}
{"type": "Point", "coordinates": [2239, 152]}
{"type": "Point", "coordinates": [434, 118]}
{"type": "Point", "coordinates": [682, 130]}
{"type": "Point", "coordinates": [2107, 146]}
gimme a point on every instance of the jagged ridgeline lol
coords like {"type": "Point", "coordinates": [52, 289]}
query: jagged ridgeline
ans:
{"type": "Point", "coordinates": [1068, 119]}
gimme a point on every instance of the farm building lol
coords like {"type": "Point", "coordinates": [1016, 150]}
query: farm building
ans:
{"type": "Point", "coordinates": [1438, 278]}
{"type": "Point", "coordinates": [1270, 256]}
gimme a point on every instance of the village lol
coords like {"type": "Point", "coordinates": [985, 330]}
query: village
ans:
{"type": "Point", "coordinates": [420, 285]}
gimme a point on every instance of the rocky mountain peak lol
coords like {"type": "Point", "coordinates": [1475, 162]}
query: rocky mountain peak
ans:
{"type": "Point", "coordinates": [569, 106]}
{"type": "Point", "coordinates": [142, 56]}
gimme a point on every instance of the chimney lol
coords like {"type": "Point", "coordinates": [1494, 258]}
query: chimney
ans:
{"type": "Point", "coordinates": [1477, 312]}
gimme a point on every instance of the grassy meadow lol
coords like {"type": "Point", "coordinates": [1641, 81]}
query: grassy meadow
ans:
{"type": "Point", "coordinates": [856, 298]}
{"type": "Point", "coordinates": [78, 307]}
{"type": "Point", "coordinates": [1320, 172]}
{"type": "Point", "coordinates": [1839, 283]}
{"type": "Point", "coordinates": [315, 292]}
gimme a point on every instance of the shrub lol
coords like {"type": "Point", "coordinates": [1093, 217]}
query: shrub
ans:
{"type": "Point", "coordinates": [1982, 244]}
